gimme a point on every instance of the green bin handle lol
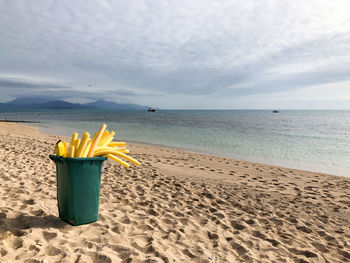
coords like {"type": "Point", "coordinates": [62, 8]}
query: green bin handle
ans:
{"type": "Point", "coordinates": [57, 158]}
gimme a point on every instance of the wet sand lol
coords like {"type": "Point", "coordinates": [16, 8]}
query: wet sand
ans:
{"type": "Point", "coordinates": [177, 206]}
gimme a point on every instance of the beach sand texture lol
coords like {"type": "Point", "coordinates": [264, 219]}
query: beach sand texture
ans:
{"type": "Point", "coordinates": [176, 207]}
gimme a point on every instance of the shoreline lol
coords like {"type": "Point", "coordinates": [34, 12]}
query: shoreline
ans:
{"type": "Point", "coordinates": [19, 121]}
{"type": "Point", "coordinates": [178, 206]}
{"type": "Point", "coordinates": [207, 155]}
{"type": "Point", "coordinates": [279, 163]}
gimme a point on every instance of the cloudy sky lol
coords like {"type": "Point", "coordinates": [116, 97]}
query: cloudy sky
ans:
{"type": "Point", "coordinates": [178, 54]}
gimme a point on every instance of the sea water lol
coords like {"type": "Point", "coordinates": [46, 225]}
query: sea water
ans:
{"type": "Point", "coordinates": [308, 140]}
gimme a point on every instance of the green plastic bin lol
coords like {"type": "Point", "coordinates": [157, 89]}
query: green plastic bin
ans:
{"type": "Point", "coordinates": [78, 188]}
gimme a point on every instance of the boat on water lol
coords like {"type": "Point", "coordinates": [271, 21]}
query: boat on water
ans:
{"type": "Point", "coordinates": [150, 109]}
{"type": "Point", "coordinates": [275, 111]}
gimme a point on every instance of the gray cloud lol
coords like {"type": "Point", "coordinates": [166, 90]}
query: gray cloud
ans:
{"type": "Point", "coordinates": [27, 84]}
{"type": "Point", "coordinates": [22, 87]}
{"type": "Point", "coordinates": [138, 51]}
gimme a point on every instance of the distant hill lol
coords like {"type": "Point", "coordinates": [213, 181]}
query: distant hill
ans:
{"type": "Point", "coordinates": [60, 104]}
{"type": "Point", "coordinates": [7, 106]}
{"type": "Point", "coordinates": [31, 100]}
{"type": "Point", "coordinates": [19, 104]}
{"type": "Point", "coordinates": [109, 105]}
{"type": "Point", "coordinates": [48, 103]}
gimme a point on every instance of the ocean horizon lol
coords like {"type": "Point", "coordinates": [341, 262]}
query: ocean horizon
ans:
{"type": "Point", "coordinates": [313, 140]}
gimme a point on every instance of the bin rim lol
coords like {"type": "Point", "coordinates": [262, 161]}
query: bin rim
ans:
{"type": "Point", "coordinates": [76, 159]}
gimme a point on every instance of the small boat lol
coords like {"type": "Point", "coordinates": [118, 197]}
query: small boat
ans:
{"type": "Point", "coordinates": [275, 111]}
{"type": "Point", "coordinates": [150, 109]}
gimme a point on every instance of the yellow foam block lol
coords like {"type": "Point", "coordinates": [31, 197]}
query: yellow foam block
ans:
{"type": "Point", "coordinates": [120, 149]}
{"type": "Point", "coordinates": [86, 150]}
{"type": "Point", "coordinates": [60, 149]}
{"type": "Point", "coordinates": [117, 153]}
{"type": "Point", "coordinates": [104, 141]}
{"type": "Point", "coordinates": [71, 151]}
{"type": "Point", "coordinates": [97, 140]}
{"type": "Point", "coordinates": [65, 144]}
{"type": "Point", "coordinates": [116, 144]}
{"type": "Point", "coordinates": [114, 158]}
{"type": "Point", "coordinates": [74, 137]}
{"type": "Point", "coordinates": [83, 143]}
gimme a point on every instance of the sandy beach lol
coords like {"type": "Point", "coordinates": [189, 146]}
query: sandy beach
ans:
{"type": "Point", "coordinates": [176, 207]}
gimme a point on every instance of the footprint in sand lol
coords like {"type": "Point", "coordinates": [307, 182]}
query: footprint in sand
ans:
{"type": "Point", "coordinates": [49, 235]}
{"type": "Point", "coordinates": [304, 229]}
{"type": "Point", "coordinates": [320, 247]}
{"type": "Point", "coordinates": [250, 222]}
{"type": "Point", "coordinates": [53, 251]}
{"type": "Point", "coordinates": [17, 243]}
{"type": "Point", "coordinates": [305, 253]}
{"type": "Point", "coordinates": [118, 228]}
{"type": "Point", "coordinates": [188, 253]}
{"type": "Point", "coordinates": [123, 252]}
{"type": "Point", "coordinates": [236, 225]}
{"type": "Point", "coordinates": [143, 244]}
{"type": "Point", "coordinates": [100, 258]}
{"type": "Point", "coordinates": [239, 248]}
{"type": "Point", "coordinates": [3, 252]}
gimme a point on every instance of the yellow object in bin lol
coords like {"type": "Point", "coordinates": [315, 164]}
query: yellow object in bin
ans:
{"type": "Point", "coordinates": [97, 140]}
{"type": "Point", "coordinates": [74, 138]}
{"type": "Point", "coordinates": [66, 145]}
{"type": "Point", "coordinates": [71, 151]}
{"type": "Point", "coordinates": [82, 144]}
{"type": "Point", "coordinates": [101, 144]}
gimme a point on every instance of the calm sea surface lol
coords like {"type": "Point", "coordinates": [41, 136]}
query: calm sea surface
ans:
{"type": "Point", "coordinates": [309, 140]}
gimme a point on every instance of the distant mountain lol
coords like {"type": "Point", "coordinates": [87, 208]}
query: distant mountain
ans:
{"type": "Point", "coordinates": [109, 105]}
{"type": "Point", "coordinates": [60, 104]}
{"type": "Point", "coordinates": [57, 104]}
{"type": "Point", "coordinates": [31, 100]}
{"type": "Point", "coordinates": [7, 106]}
{"type": "Point", "coordinates": [46, 103]}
